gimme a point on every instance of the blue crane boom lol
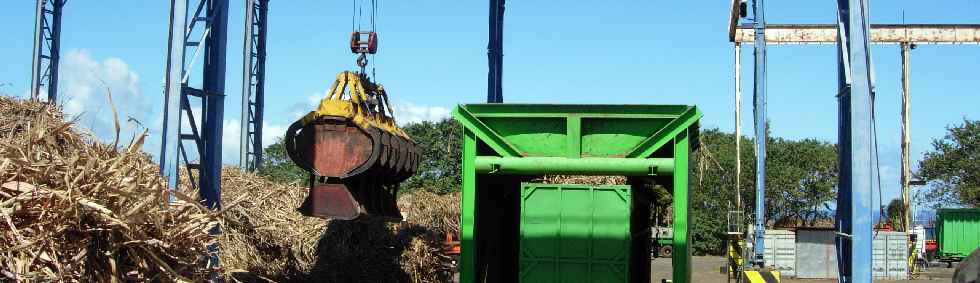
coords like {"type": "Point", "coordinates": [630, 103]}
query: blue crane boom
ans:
{"type": "Point", "coordinates": [759, 109]}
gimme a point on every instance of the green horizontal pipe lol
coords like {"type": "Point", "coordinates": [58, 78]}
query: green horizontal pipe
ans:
{"type": "Point", "coordinates": [574, 166]}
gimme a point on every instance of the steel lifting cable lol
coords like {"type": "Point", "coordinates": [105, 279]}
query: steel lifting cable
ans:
{"type": "Point", "coordinates": [877, 162]}
{"type": "Point", "coordinates": [358, 15]}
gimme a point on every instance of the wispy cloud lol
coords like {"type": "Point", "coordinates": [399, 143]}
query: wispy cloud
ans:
{"type": "Point", "coordinates": [299, 109]}
{"type": "Point", "coordinates": [408, 112]}
{"type": "Point", "coordinates": [231, 139]}
{"type": "Point", "coordinates": [85, 83]}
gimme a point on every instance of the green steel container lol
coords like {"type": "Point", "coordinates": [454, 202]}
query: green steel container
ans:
{"type": "Point", "coordinates": [505, 236]}
{"type": "Point", "coordinates": [575, 233]}
{"type": "Point", "coordinates": [957, 232]}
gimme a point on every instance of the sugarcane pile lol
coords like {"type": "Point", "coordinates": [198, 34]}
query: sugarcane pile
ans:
{"type": "Point", "coordinates": [584, 179]}
{"type": "Point", "coordinates": [74, 209]}
{"type": "Point", "coordinates": [265, 239]}
{"type": "Point", "coordinates": [430, 218]}
{"type": "Point", "coordinates": [263, 236]}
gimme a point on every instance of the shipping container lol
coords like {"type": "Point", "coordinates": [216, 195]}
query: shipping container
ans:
{"type": "Point", "coordinates": [957, 232]}
{"type": "Point", "coordinates": [890, 255]}
{"type": "Point", "coordinates": [779, 251]}
{"type": "Point", "coordinates": [816, 255]}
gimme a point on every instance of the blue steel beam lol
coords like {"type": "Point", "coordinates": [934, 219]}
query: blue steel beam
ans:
{"type": "Point", "coordinates": [213, 86]}
{"type": "Point", "coordinates": [47, 49]}
{"type": "Point", "coordinates": [179, 96]}
{"type": "Point", "coordinates": [209, 22]}
{"type": "Point", "coordinates": [854, 223]}
{"type": "Point", "coordinates": [495, 52]}
{"type": "Point", "coordinates": [759, 111]}
{"type": "Point", "coordinates": [170, 145]}
{"type": "Point", "coordinates": [253, 83]}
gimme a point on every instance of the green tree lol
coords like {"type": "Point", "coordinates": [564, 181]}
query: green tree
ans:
{"type": "Point", "coordinates": [893, 212]}
{"type": "Point", "coordinates": [439, 142]}
{"type": "Point", "coordinates": [800, 181]}
{"type": "Point", "coordinates": [277, 166]}
{"type": "Point", "coordinates": [952, 167]}
{"type": "Point", "coordinates": [801, 177]}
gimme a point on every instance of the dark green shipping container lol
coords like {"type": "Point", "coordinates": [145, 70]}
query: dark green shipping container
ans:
{"type": "Point", "coordinates": [957, 232]}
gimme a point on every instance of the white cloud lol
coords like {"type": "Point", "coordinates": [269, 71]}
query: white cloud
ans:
{"type": "Point", "coordinates": [85, 84]}
{"type": "Point", "coordinates": [231, 139]}
{"type": "Point", "coordinates": [408, 112]}
{"type": "Point", "coordinates": [272, 133]}
{"type": "Point", "coordinates": [299, 109]}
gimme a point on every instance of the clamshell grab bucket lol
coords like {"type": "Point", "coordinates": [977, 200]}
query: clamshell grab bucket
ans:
{"type": "Point", "coordinates": [354, 151]}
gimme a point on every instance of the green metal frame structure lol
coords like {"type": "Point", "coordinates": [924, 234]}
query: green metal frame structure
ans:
{"type": "Point", "coordinates": [508, 144]}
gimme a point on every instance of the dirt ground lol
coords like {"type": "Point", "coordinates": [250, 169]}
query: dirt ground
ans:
{"type": "Point", "coordinates": [708, 269]}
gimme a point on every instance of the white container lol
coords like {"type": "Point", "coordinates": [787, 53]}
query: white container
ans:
{"type": "Point", "coordinates": [780, 251]}
{"type": "Point", "coordinates": [889, 252]}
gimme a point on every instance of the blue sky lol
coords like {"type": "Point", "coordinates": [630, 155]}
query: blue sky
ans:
{"type": "Point", "coordinates": [433, 56]}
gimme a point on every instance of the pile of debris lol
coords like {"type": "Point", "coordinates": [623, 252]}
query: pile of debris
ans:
{"type": "Point", "coordinates": [263, 236]}
{"type": "Point", "coordinates": [265, 239]}
{"type": "Point", "coordinates": [74, 209]}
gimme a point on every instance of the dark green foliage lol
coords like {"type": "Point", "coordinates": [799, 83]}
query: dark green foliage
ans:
{"type": "Point", "coordinates": [278, 167]}
{"type": "Point", "coordinates": [952, 167]}
{"type": "Point", "coordinates": [440, 144]}
{"type": "Point", "coordinates": [893, 212]}
{"type": "Point", "coordinates": [800, 179]}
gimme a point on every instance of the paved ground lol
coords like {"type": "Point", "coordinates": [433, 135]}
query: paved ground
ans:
{"type": "Point", "coordinates": [708, 269]}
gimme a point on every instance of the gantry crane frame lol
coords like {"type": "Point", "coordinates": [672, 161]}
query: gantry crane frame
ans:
{"type": "Point", "coordinates": [855, 110]}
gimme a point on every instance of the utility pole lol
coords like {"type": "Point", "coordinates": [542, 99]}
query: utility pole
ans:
{"type": "Point", "coordinates": [906, 169]}
{"type": "Point", "coordinates": [738, 126]}
{"type": "Point", "coordinates": [47, 49]}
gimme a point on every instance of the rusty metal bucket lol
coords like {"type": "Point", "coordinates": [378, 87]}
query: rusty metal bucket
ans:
{"type": "Point", "coordinates": [354, 170]}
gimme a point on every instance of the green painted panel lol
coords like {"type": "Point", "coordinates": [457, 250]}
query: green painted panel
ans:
{"type": "Point", "coordinates": [532, 136]}
{"type": "Point", "coordinates": [608, 110]}
{"type": "Point", "coordinates": [957, 231]}
{"type": "Point", "coordinates": [605, 137]}
{"type": "Point", "coordinates": [549, 130]}
{"type": "Point", "coordinates": [574, 233]}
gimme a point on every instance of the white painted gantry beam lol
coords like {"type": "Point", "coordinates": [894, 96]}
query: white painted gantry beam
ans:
{"type": "Point", "coordinates": [880, 34]}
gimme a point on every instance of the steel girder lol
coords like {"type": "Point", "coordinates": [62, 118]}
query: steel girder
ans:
{"type": "Point", "coordinates": [759, 111]}
{"type": "Point", "coordinates": [495, 52]}
{"type": "Point", "coordinates": [207, 23]}
{"type": "Point", "coordinates": [47, 49]}
{"type": "Point", "coordinates": [854, 212]}
{"type": "Point", "coordinates": [253, 83]}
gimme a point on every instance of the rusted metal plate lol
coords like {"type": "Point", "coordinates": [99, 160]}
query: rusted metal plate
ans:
{"type": "Point", "coordinates": [331, 201]}
{"type": "Point", "coordinates": [355, 171]}
{"type": "Point", "coordinates": [337, 148]}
